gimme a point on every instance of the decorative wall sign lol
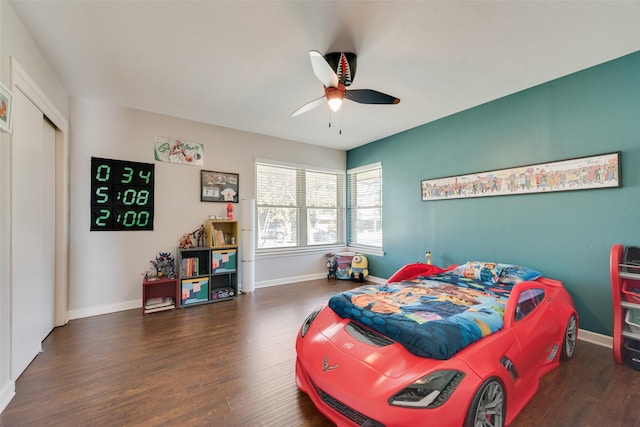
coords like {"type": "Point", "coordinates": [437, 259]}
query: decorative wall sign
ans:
{"type": "Point", "coordinates": [218, 186]}
{"type": "Point", "coordinates": [583, 173]}
{"type": "Point", "coordinates": [121, 195]}
{"type": "Point", "coordinates": [6, 108]}
{"type": "Point", "coordinates": [178, 151]}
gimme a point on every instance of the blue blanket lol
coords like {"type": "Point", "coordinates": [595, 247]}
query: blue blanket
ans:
{"type": "Point", "coordinates": [434, 316]}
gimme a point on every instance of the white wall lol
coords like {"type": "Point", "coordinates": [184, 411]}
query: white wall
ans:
{"type": "Point", "coordinates": [106, 266]}
{"type": "Point", "coordinates": [16, 42]}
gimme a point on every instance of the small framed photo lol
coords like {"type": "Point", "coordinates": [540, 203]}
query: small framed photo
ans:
{"type": "Point", "coordinates": [218, 186]}
{"type": "Point", "coordinates": [6, 108]}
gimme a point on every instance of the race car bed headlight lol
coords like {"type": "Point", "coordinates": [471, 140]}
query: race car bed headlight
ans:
{"type": "Point", "coordinates": [430, 391]}
{"type": "Point", "coordinates": [308, 321]}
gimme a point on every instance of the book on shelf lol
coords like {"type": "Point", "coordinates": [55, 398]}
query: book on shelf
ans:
{"type": "Point", "coordinates": [218, 238]}
{"type": "Point", "coordinates": [191, 266]}
{"type": "Point", "coordinates": [159, 302]}
{"type": "Point", "coordinates": [162, 308]}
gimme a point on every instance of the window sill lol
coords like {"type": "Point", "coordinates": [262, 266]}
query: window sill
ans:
{"type": "Point", "coordinates": [297, 251]}
{"type": "Point", "coordinates": [366, 250]}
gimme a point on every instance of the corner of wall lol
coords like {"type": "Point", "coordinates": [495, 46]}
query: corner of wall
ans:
{"type": "Point", "coordinates": [7, 392]}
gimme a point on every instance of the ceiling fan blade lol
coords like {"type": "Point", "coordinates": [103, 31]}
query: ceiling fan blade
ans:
{"type": "Point", "coordinates": [309, 106]}
{"type": "Point", "coordinates": [368, 96]}
{"type": "Point", "coordinates": [323, 70]}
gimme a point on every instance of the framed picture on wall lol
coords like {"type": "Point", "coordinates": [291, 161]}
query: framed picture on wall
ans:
{"type": "Point", "coordinates": [581, 173]}
{"type": "Point", "coordinates": [6, 108]}
{"type": "Point", "coordinates": [218, 186]}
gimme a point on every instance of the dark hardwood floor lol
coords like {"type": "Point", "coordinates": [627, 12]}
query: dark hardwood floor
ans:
{"type": "Point", "coordinates": [232, 364]}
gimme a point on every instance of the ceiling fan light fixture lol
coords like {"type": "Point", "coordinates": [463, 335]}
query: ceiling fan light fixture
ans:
{"type": "Point", "coordinates": [336, 71]}
{"type": "Point", "coordinates": [335, 103]}
{"type": "Point", "coordinates": [335, 97]}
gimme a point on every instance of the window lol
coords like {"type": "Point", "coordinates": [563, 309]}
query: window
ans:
{"type": "Point", "coordinates": [364, 214]}
{"type": "Point", "coordinates": [529, 299]}
{"type": "Point", "coordinates": [298, 207]}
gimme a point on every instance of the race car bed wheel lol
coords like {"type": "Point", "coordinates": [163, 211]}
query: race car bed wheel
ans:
{"type": "Point", "coordinates": [487, 407]}
{"type": "Point", "coordinates": [570, 336]}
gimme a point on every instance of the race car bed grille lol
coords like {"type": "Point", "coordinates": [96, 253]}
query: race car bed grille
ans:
{"type": "Point", "coordinates": [350, 413]}
{"type": "Point", "coordinates": [367, 336]}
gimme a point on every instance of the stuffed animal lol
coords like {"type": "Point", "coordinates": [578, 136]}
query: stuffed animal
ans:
{"type": "Point", "coordinates": [359, 270]}
{"type": "Point", "coordinates": [332, 266]}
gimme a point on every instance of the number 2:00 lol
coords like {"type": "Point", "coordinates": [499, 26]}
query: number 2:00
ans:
{"type": "Point", "coordinates": [127, 218]}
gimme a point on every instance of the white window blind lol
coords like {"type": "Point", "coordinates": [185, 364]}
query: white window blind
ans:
{"type": "Point", "coordinates": [298, 207]}
{"type": "Point", "coordinates": [364, 213]}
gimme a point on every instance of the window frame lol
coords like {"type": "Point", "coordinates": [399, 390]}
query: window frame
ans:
{"type": "Point", "coordinates": [302, 208]}
{"type": "Point", "coordinates": [352, 208]}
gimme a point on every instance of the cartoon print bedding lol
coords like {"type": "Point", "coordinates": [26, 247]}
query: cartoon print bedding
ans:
{"type": "Point", "coordinates": [434, 316]}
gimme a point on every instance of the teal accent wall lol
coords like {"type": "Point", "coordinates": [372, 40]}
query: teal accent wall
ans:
{"type": "Point", "coordinates": [565, 235]}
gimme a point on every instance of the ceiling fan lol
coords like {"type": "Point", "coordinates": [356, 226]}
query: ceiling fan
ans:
{"type": "Point", "coordinates": [336, 71]}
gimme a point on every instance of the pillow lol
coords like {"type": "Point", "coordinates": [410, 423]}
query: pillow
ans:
{"type": "Point", "coordinates": [512, 274]}
{"type": "Point", "coordinates": [485, 271]}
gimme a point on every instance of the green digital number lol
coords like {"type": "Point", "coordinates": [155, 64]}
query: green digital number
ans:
{"type": "Point", "coordinates": [139, 198]}
{"type": "Point", "coordinates": [103, 172]}
{"type": "Point", "coordinates": [104, 215]}
{"type": "Point", "coordinates": [145, 175]}
{"type": "Point", "coordinates": [143, 219]}
{"type": "Point", "coordinates": [129, 219]}
{"type": "Point", "coordinates": [143, 198]}
{"type": "Point", "coordinates": [127, 175]}
{"type": "Point", "coordinates": [129, 197]}
{"type": "Point", "coordinates": [102, 192]}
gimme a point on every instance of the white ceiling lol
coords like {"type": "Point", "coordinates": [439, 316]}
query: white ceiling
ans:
{"type": "Point", "coordinates": [245, 64]}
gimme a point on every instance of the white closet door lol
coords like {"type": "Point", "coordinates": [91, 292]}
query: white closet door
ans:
{"type": "Point", "coordinates": [33, 232]}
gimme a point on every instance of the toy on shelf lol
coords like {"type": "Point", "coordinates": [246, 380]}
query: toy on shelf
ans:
{"type": "Point", "coordinates": [163, 267]}
{"type": "Point", "coordinates": [199, 235]}
{"type": "Point", "coordinates": [229, 211]}
{"type": "Point", "coordinates": [193, 239]}
{"type": "Point", "coordinates": [185, 241]}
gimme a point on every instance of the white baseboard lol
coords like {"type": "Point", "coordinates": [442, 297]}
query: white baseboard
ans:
{"type": "Point", "coordinates": [7, 393]}
{"type": "Point", "coordinates": [595, 338]}
{"type": "Point", "coordinates": [128, 305]}
{"type": "Point", "coordinates": [104, 309]}
{"type": "Point", "coordinates": [287, 280]}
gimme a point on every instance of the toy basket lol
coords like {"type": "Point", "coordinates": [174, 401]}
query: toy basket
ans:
{"type": "Point", "coordinates": [343, 262]}
{"type": "Point", "coordinates": [631, 259]}
{"type": "Point", "coordinates": [631, 291]}
{"type": "Point", "coordinates": [633, 348]}
{"type": "Point", "coordinates": [632, 318]}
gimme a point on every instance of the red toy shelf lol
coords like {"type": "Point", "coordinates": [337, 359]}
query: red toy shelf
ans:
{"type": "Point", "coordinates": [159, 295]}
{"type": "Point", "coordinates": [625, 291]}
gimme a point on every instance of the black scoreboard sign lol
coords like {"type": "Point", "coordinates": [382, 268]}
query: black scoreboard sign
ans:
{"type": "Point", "coordinates": [121, 195]}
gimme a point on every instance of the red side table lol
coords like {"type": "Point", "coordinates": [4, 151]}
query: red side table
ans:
{"type": "Point", "coordinates": [159, 295]}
